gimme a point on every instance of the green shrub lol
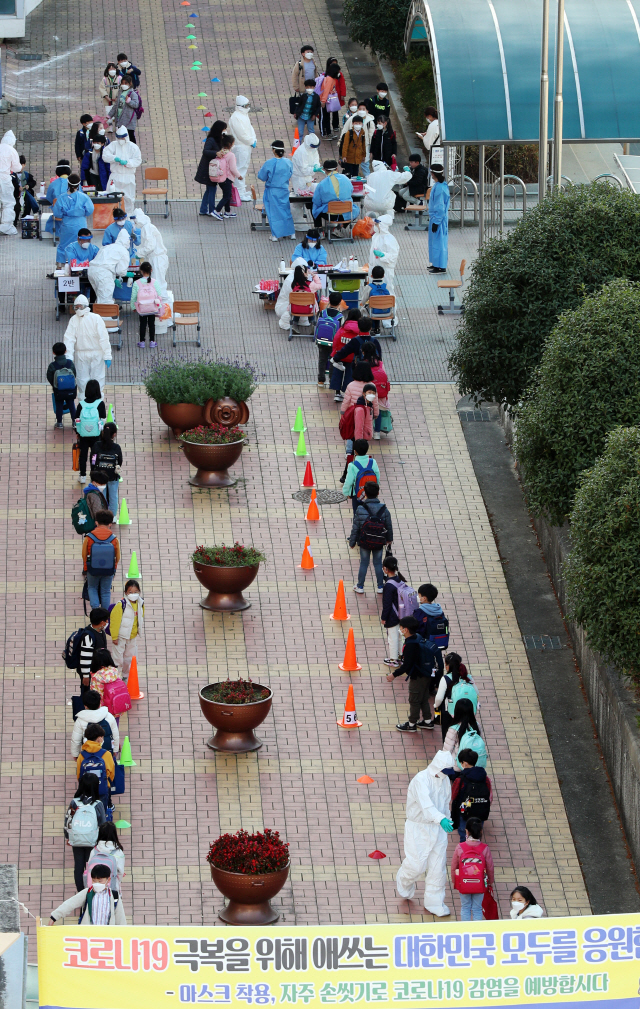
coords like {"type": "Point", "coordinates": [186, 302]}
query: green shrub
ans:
{"type": "Point", "coordinates": [377, 26]}
{"type": "Point", "coordinates": [417, 89]}
{"type": "Point", "coordinates": [602, 569]}
{"type": "Point", "coordinates": [175, 380]}
{"type": "Point", "coordinates": [565, 248]}
{"type": "Point", "coordinates": [588, 384]}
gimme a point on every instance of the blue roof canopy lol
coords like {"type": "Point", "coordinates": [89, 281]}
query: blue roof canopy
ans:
{"type": "Point", "coordinates": [486, 61]}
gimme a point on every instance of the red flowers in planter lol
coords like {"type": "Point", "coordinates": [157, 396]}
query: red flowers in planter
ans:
{"type": "Point", "coordinates": [235, 692]}
{"type": "Point", "coordinates": [217, 434]}
{"type": "Point", "coordinates": [250, 854]}
{"type": "Point", "coordinates": [237, 556]}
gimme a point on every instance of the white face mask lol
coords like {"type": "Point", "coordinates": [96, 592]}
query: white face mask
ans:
{"type": "Point", "coordinates": [308, 56]}
{"type": "Point", "coordinates": [380, 126]}
{"type": "Point", "coordinates": [125, 64]}
{"type": "Point", "coordinates": [112, 73]}
{"type": "Point", "coordinates": [382, 94]}
{"type": "Point", "coordinates": [309, 91]}
{"type": "Point", "coordinates": [101, 133]}
{"type": "Point", "coordinates": [518, 905]}
{"type": "Point", "coordinates": [84, 245]}
{"type": "Point", "coordinates": [357, 127]}
{"type": "Point", "coordinates": [124, 87]}
{"type": "Point", "coordinates": [120, 223]}
{"type": "Point", "coordinates": [100, 486]}
{"type": "Point", "coordinates": [370, 397]}
{"type": "Point", "coordinates": [353, 109]}
{"type": "Point", "coordinates": [362, 112]}
{"type": "Point", "coordinates": [99, 887]}
{"type": "Point", "coordinates": [132, 597]}
{"type": "Point", "coordinates": [97, 147]}
{"type": "Point", "coordinates": [246, 108]}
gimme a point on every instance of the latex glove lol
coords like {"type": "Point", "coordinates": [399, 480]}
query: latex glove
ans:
{"type": "Point", "coordinates": [318, 168]}
{"type": "Point", "coordinates": [378, 254]}
{"type": "Point", "coordinates": [108, 364]}
{"type": "Point", "coordinates": [255, 143]}
{"type": "Point", "coordinates": [123, 161]}
{"type": "Point", "coordinates": [406, 168]}
{"type": "Point", "coordinates": [434, 228]}
{"type": "Point", "coordinates": [446, 824]}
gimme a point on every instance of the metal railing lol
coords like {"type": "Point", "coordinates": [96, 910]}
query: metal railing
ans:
{"type": "Point", "coordinates": [512, 185]}
{"type": "Point", "coordinates": [464, 189]}
{"type": "Point", "coordinates": [608, 175]}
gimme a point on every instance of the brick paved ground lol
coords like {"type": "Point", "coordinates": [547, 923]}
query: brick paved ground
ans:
{"type": "Point", "coordinates": [303, 782]}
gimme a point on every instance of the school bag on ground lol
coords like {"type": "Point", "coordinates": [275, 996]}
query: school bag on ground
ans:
{"type": "Point", "coordinates": [407, 598]}
{"type": "Point", "coordinates": [476, 801]}
{"type": "Point", "coordinates": [364, 475]}
{"type": "Point", "coordinates": [83, 520]}
{"type": "Point", "coordinates": [64, 380]}
{"type": "Point", "coordinates": [116, 697]}
{"type": "Point", "coordinates": [90, 424]}
{"type": "Point", "coordinates": [326, 328]}
{"type": "Point", "coordinates": [92, 763]}
{"type": "Point", "coordinates": [147, 301]}
{"type": "Point", "coordinates": [472, 741]}
{"type": "Point", "coordinates": [471, 869]}
{"type": "Point", "coordinates": [101, 559]}
{"type": "Point", "coordinates": [83, 827]}
{"type": "Point", "coordinates": [107, 860]}
{"type": "Point", "coordinates": [460, 691]}
{"type": "Point", "coordinates": [373, 532]}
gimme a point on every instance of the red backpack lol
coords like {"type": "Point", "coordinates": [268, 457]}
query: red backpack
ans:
{"type": "Point", "coordinates": [472, 869]}
{"type": "Point", "coordinates": [347, 425]}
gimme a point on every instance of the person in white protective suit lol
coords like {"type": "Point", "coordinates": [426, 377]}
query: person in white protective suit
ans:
{"type": "Point", "coordinates": [379, 197]}
{"type": "Point", "coordinates": [111, 261]}
{"type": "Point", "coordinates": [87, 343]}
{"type": "Point", "coordinates": [282, 304]}
{"type": "Point", "coordinates": [425, 835]}
{"type": "Point", "coordinates": [240, 127]}
{"type": "Point", "coordinates": [124, 157]}
{"type": "Point", "coordinates": [9, 162]}
{"type": "Point", "coordinates": [152, 248]}
{"type": "Point", "coordinates": [306, 162]}
{"type": "Point", "coordinates": [384, 250]}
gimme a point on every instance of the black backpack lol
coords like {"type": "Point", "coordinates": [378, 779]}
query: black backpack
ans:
{"type": "Point", "coordinates": [476, 800]}
{"type": "Point", "coordinates": [71, 654]}
{"type": "Point", "coordinates": [373, 533]}
{"type": "Point", "coordinates": [104, 458]}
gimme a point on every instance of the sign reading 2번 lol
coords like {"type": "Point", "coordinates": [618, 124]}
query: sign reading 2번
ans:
{"type": "Point", "coordinates": [559, 961]}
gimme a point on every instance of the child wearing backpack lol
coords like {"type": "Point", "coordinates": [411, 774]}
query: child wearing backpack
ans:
{"type": "Point", "coordinates": [454, 685]}
{"type": "Point", "coordinates": [356, 423]}
{"type": "Point", "coordinates": [109, 851]}
{"type": "Point", "coordinates": [471, 791]}
{"type": "Point", "coordinates": [100, 557]}
{"type": "Point", "coordinates": [398, 601]}
{"type": "Point", "coordinates": [431, 620]}
{"type": "Point", "coordinates": [82, 833]}
{"type": "Point", "coordinates": [98, 903]}
{"type": "Point", "coordinates": [375, 287]}
{"type": "Point", "coordinates": [341, 371]}
{"type": "Point", "coordinates": [328, 324]}
{"type": "Point", "coordinates": [464, 734]}
{"type": "Point", "coordinates": [89, 427]}
{"type": "Point", "coordinates": [372, 530]}
{"type": "Point", "coordinates": [413, 666]}
{"type": "Point", "coordinates": [360, 471]}
{"type": "Point", "coordinates": [94, 711]}
{"type": "Point", "coordinates": [95, 759]}
{"type": "Point", "coordinates": [106, 456]}
{"type": "Point", "coordinates": [125, 623]}
{"type": "Point", "coordinates": [61, 376]}
{"type": "Point", "coordinates": [471, 862]}
{"type": "Point", "coordinates": [107, 682]}
{"type": "Point", "coordinates": [146, 296]}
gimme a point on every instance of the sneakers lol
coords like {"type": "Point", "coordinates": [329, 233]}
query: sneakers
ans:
{"type": "Point", "coordinates": [153, 343]}
{"type": "Point", "coordinates": [356, 588]}
{"type": "Point", "coordinates": [293, 236]}
{"type": "Point", "coordinates": [407, 727]}
{"type": "Point", "coordinates": [427, 725]}
{"type": "Point", "coordinates": [82, 479]}
{"type": "Point", "coordinates": [303, 322]}
{"type": "Point", "coordinates": [60, 426]}
{"type": "Point", "coordinates": [274, 239]}
{"type": "Point", "coordinates": [230, 214]}
{"type": "Point", "coordinates": [376, 436]}
{"type": "Point", "coordinates": [142, 344]}
{"type": "Point", "coordinates": [380, 590]}
{"type": "Point", "coordinates": [218, 217]}
{"type": "Point", "coordinates": [394, 663]}
{"type": "Point", "coordinates": [338, 397]}
{"type": "Point", "coordinates": [321, 385]}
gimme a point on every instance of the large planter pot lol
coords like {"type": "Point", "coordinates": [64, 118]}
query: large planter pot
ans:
{"type": "Point", "coordinates": [183, 416]}
{"type": "Point", "coordinates": [225, 411]}
{"type": "Point", "coordinates": [225, 586]}
{"type": "Point", "coordinates": [212, 462]}
{"type": "Point", "coordinates": [235, 724]}
{"type": "Point", "coordinates": [249, 896]}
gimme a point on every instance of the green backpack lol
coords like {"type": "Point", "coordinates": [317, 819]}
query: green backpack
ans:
{"type": "Point", "coordinates": [463, 690]}
{"type": "Point", "coordinates": [83, 521]}
{"type": "Point", "coordinates": [473, 741]}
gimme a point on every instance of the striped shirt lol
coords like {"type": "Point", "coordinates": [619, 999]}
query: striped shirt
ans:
{"type": "Point", "coordinates": [101, 907]}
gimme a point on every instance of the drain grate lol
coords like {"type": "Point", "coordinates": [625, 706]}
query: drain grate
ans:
{"type": "Point", "coordinates": [323, 496]}
{"type": "Point", "coordinates": [470, 415]}
{"type": "Point", "coordinates": [37, 136]}
{"type": "Point", "coordinates": [541, 641]}
{"type": "Point", "coordinates": [30, 56]}
{"type": "Point", "coordinates": [29, 108]}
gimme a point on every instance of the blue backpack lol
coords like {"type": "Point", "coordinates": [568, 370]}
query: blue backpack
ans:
{"type": "Point", "coordinates": [101, 559]}
{"type": "Point", "coordinates": [93, 763]}
{"type": "Point", "coordinates": [326, 328]}
{"type": "Point", "coordinates": [364, 475]}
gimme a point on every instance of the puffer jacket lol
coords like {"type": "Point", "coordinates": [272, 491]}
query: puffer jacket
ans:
{"type": "Point", "coordinates": [209, 151]}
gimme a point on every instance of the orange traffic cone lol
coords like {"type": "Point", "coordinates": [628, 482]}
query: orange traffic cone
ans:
{"type": "Point", "coordinates": [350, 719]}
{"type": "Point", "coordinates": [307, 480]}
{"type": "Point", "coordinates": [132, 683]}
{"type": "Point", "coordinates": [340, 609]}
{"type": "Point", "coordinates": [313, 515]}
{"type": "Point", "coordinates": [307, 557]}
{"type": "Point", "coordinates": [366, 780]}
{"type": "Point", "coordinates": [350, 664]}
{"type": "Point", "coordinates": [296, 140]}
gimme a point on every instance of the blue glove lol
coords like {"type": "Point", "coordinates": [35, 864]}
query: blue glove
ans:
{"type": "Point", "coordinates": [255, 143]}
{"type": "Point", "coordinates": [108, 364]}
{"type": "Point", "coordinates": [446, 824]}
{"type": "Point", "coordinates": [378, 254]}
{"type": "Point", "coordinates": [124, 162]}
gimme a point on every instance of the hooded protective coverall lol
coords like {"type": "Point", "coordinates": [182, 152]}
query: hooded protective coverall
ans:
{"type": "Point", "coordinates": [73, 208]}
{"type": "Point", "coordinates": [152, 248]}
{"type": "Point", "coordinates": [275, 173]}
{"type": "Point", "coordinates": [87, 343]}
{"type": "Point", "coordinates": [439, 217]}
{"type": "Point", "coordinates": [384, 250]}
{"type": "Point", "coordinates": [282, 304]}
{"type": "Point", "coordinates": [124, 157]}
{"type": "Point", "coordinates": [240, 127]}
{"type": "Point", "coordinates": [305, 159]}
{"type": "Point", "coordinates": [425, 841]}
{"type": "Point", "coordinates": [112, 260]}
{"type": "Point", "coordinates": [379, 197]}
{"type": "Point", "coordinates": [9, 162]}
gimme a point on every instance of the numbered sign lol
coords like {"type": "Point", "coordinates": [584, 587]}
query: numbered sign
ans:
{"type": "Point", "coordinates": [68, 283]}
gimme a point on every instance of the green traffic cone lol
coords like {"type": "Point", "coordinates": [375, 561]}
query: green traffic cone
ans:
{"type": "Point", "coordinates": [302, 448]}
{"type": "Point", "coordinates": [134, 571]}
{"type": "Point", "coordinates": [123, 518]}
{"type": "Point", "coordinates": [125, 756]}
{"type": "Point", "coordinates": [122, 824]}
{"type": "Point", "coordinates": [110, 414]}
{"type": "Point", "coordinates": [298, 425]}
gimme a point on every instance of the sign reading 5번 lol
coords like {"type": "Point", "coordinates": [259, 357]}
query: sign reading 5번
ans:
{"type": "Point", "coordinates": [560, 961]}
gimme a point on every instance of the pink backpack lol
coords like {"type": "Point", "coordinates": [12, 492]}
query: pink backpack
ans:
{"type": "Point", "coordinates": [116, 697]}
{"type": "Point", "coordinates": [147, 300]}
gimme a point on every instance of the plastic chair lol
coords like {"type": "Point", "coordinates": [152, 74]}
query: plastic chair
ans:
{"type": "Point", "coordinates": [111, 316]}
{"type": "Point", "coordinates": [264, 225]}
{"type": "Point", "coordinates": [190, 309]}
{"type": "Point", "coordinates": [419, 209]}
{"type": "Point", "coordinates": [334, 208]}
{"type": "Point", "coordinates": [451, 286]}
{"type": "Point", "coordinates": [156, 175]}
{"type": "Point", "coordinates": [302, 300]}
{"type": "Point", "coordinates": [387, 302]}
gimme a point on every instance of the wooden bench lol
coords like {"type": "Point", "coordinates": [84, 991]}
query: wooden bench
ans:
{"type": "Point", "coordinates": [451, 286]}
{"type": "Point", "coordinates": [418, 209]}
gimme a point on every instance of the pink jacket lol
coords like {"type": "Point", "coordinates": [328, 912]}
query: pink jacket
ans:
{"type": "Point", "coordinates": [228, 168]}
{"type": "Point", "coordinates": [363, 422]}
{"type": "Point", "coordinates": [351, 393]}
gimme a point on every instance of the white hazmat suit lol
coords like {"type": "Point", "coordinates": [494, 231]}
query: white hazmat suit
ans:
{"type": "Point", "coordinates": [152, 248]}
{"type": "Point", "coordinates": [240, 127]}
{"type": "Point", "coordinates": [282, 304]}
{"type": "Point", "coordinates": [87, 343]}
{"type": "Point", "coordinates": [384, 249]}
{"type": "Point", "coordinates": [111, 261]}
{"type": "Point", "coordinates": [124, 157]}
{"type": "Point", "coordinates": [9, 162]}
{"type": "Point", "coordinates": [425, 841]}
{"type": "Point", "coordinates": [379, 197]}
{"type": "Point", "coordinates": [305, 159]}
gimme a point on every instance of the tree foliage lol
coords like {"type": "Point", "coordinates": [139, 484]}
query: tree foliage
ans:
{"type": "Point", "coordinates": [588, 384]}
{"type": "Point", "coordinates": [379, 27]}
{"type": "Point", "coordinates": [565, 248]}
{"type": "Point", "coordinates": [417, 88]}
{"type": "Point", "coordinates": [602, 569]}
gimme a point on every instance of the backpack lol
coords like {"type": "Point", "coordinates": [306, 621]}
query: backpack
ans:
{"type": "Point", "coordinates": [101, 558]}
{"type": "Point", "coordinates": [71, 654]}
{"type": "Point", "coordinates": [104, 458]}
{"type": "Point", "coordinates": [407, 598]}
{"type": "Point", "coordinates": [364, 475]}
{"type": "Point", "coordinates": [473, 741]}
{"type": "Point", "coordinates": [116, 697]}
{"type": "Point", "coordinates": [214, 168]}
{"type": "Point", "coordinates": [83, 520]}
{"type": "Point", "coordinates": [147, 301]}
{"type": "Point", "coordinates": [373, 533]}
{"type": "Point", "coordinates": [140, 108]}
{"type": "Point", "coordinates": [90, 424]}
{"type": "Point", "coordinates": [476, 801]}
{"type": "Point", "coordinates": [107, 860]}
{"type": "Point", "coordinates": [92, 763]}
{"type": "Point", "coordinates": [326, 328]}
{"type": "Point", "coordinates": [83, 826]}
{"type": "Point", "coordinates": [347, 426]}
{"type": "Point", "coordinates": [108, 735]}
{"type": "Point", "coordinates": [436, 629]}
{"type": "Point", "coordinates": [428, 651]}
{"type": "Point", "coordinates": [64, 380]}
{"type": "Point", "coordinates": [461, 690]}
{"type": "Point", "coordinates": [472, 869]}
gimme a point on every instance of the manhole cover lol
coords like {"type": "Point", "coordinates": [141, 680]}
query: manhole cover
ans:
{"type": "Point", "coordinates": [541, 641]}
{"type": "Point", "coordinates": [322, 496]}
{"type": "Point", "coordinates": [37, 136]}
{"type": "Point", "coordinates": [29, 108]}
{"type": "Point", "coordinates": [471, 415]}
{"type": "Point", "coordinates": [30, 56]}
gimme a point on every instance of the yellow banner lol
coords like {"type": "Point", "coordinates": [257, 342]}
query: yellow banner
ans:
{"type": "Point", "coordinates": [528, 963]}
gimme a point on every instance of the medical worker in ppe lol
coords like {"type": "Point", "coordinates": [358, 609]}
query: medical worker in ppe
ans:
{"type": "Point", "coordinates": [82, 250]}
{"type": "Point", "coordinates": [152, 248]}
{"type": "Point", "coordinates": [72, 208]}
{"type": "Point", "coordinates": [87, 343]}
{"type": "Point", "coordinates": [384, 249]}
{"type": "Point", "coordinates": [111, 261]}
{"type": "Point", "coordinates": [9, 162]}
{"type": "Point", "coordinates": [56, 188]}
{"type": "Point", "coordinates": [306, 163]}
{"type": "Point", "coordinates": [240, 127]}
{"type": "Point", "coordinates": [119, 222]}
{"type": "Point", "coordinates": [124, 157]}
{"type": "Point", "coordinates": [275, 173]}
{"type": "Point", "coordinates": [425, 835]}
{"type": "Point", "coordinates": [439, 200]}
{"type": "Point", "coordinates": [282, 304]}
{"type": "Point", "coordinates": [379, 197]}
{"type": "Point", "coordinates": [334, 187]}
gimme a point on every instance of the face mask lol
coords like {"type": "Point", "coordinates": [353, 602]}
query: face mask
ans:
{"type": "Point", "coordinates": [124, 87]}
{"type": "Point", "coordinates": [84, 245]}
{"type": "Point", "coordinates": [353, 109]}
{"type": "Point", "coordinates": [309, 91]}
{"type": "Point", "coordinates": [112, 73]}
{"type": "Point", "coordinates": [380, 126]}
{"type": "Point", "coordinates": [362, 112]}
{"type": "Point", "coordinates": [308, 56]}
{"type": "Point", "coordinates": [246, 108]}
{"type": "Point", "coordinates": [370, 397]}
{"type": "Point", "coordinates": [99, 887]}
{"type": "Point", "coordinates": [120, 223]}
{"type": "Point", "coordinates": [132, 597]}
{"type": "Point", "coordinates": [357, 127]}
{"type": "Point", "coordinates": [382, 94]}
{"type": "Point", "coordinates": [97, 147]}
{"type": "Point", "coordinates": [518, 905]}
{"type": "Point", "coordinates": [125, 64]}
{"type": "Point", "coordinates": [100, 486]}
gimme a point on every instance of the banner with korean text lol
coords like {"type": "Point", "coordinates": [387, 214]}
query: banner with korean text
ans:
{"type": "Point", "coordinates": [559, 961]}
